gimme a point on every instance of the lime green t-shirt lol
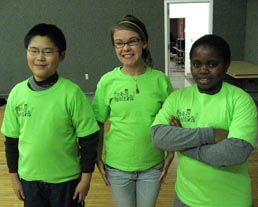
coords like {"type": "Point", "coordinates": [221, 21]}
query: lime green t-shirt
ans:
{"type": "Point", "coordinates": [128, 143]}
{"type": "Point", "coordinates": [47, 124]}
{"type": "Point", "coordinates": [232, 109]}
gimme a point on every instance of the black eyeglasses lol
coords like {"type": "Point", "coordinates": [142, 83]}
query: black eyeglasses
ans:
{"type": "Point", "coordinates": [46, 52]}
{"type": "Point", "coordinates": [132, 42]}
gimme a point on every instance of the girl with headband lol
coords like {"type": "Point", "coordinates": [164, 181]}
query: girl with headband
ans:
{"type": "Point", "coordinates": [130, 96]}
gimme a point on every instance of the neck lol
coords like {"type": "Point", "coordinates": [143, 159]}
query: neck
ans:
{"type": "Point", "coordinates": [134, 71]}
{"type": "Point", "coordinates": [42, 85]}
{"type": "Point", "coordinates": [211, 91]}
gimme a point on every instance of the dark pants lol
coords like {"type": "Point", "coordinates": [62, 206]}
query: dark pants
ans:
{"type": "Point", "coordinates": [41, 194]}
{"type": "Point", "coordinates": [178, 203]}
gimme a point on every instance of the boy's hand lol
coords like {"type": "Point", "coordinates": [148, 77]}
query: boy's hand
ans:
{"type": "Point", "coordinates": [175, 122]}
{"type": "Point", "coordinates": [102, 171]}
{"type": "Point", "coordinates": [220, 134]}
{"type": "Point", "coordinates": [83, 187]}
{"type": "Point", "coordinates": [167, 162]}
{"type": "Point", "coordinates": [17, 186]}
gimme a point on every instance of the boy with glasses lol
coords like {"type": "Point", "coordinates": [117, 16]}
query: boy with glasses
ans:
{"type": "Point", "coordinates": [50, 128]}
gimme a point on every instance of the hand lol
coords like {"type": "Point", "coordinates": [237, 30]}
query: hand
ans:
{"type": "Point", "coordinates": [167, 162]}
{"type": "Point", "coordinates": [175, 122]}
{"type": "Point", "coordinates": [17, 186]}
{"type": "Point", "coordinates": [82, 189]}
{"type": "Point", "coordinates": [100, 165]}
{"type": "Point", "coordinates": [220, 134]}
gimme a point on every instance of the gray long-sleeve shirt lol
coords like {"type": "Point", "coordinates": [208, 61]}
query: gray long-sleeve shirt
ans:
{"type": "Point", "coordinates": [199, 144]}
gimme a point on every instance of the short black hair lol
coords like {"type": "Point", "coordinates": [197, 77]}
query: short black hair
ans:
{"type": "Point", "coordinates": [49, 30]}
{"type": "Point", "coordinates": [215, 41]}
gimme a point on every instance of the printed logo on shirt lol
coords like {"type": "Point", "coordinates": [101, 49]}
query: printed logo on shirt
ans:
{"type": "Point", "coordinates": [185, 116]}
{"type": "Point", "coordinates": [23, 111]}
{"type": "Point", "coordinates": [123, 96]}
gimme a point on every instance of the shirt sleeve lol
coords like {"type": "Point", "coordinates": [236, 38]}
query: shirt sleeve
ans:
{"type": "Point", "coordinates": [171, 138]}
{"type": "Point", "coordinates": [10, 125]}
{"type": "Point", "coordinates": [88, 149]}
{"type": "Point", "coordinates": [100, 105]}
{"type": "Point", "coordinates": [12, 154]}
{"type": "Point", "coordinates": [228, 152]}
{"type": "Point", "coordinates": [170, 87]}
{"type": "Point", "coordinates": [82, 115]}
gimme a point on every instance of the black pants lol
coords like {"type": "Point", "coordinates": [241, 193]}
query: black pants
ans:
{"type": "Point", "coordinates": [41, 194]}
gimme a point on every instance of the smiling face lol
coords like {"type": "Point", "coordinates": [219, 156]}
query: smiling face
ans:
{"type": "Point", "coordinates": [43, 66]}
{"type": "Point", "coordinates": [129, 56]}
{"type": "Point", "coordinates": [208, 67]}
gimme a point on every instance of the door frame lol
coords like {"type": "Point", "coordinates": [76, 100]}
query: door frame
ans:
{"type": "Point", "coordinates": [167, 26]}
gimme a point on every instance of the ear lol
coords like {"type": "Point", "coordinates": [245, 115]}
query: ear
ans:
{"type": "Point", "coordinates": [62, 56]}
{"type": "Point", "coordinates": [144, 45]}
{"type": "Point", "coordinates": [227, 64]}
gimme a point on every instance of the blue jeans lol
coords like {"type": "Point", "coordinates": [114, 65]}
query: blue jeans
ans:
{"type": "Point", "coordinates": [135, 189]}
{"type": "Point", "coordinates": [41, 194]}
